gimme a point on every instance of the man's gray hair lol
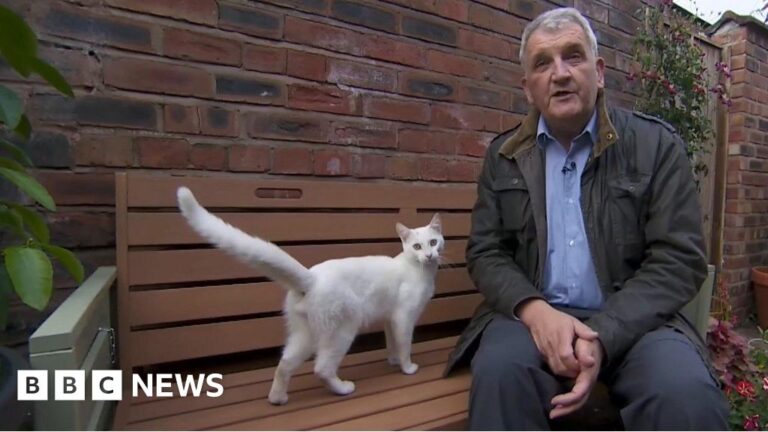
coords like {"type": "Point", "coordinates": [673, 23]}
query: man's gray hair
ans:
{"type": "Point", "coordinates": [554, 20]}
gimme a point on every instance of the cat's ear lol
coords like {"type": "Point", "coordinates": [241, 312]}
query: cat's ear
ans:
{"type": "Point", "coordinates": [402, 231]}
{"type": "Point", "coordinates": [435, 223]}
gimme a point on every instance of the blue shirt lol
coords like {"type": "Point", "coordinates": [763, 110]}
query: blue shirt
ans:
{"type": "Point", "coordinates": [569, 273]}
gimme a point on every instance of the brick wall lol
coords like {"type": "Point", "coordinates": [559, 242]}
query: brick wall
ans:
{"type": "Point", "coordinates": [396, 90]}
{"type": "Point", "coordinates": [746, 211]}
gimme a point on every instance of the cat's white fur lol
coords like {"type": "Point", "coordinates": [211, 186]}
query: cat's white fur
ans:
{"type": "Point", "coordinates": [328, 304]}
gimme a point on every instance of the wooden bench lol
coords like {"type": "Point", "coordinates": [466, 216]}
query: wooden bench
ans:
{"type": "Point", "coordinates": [184, 306]}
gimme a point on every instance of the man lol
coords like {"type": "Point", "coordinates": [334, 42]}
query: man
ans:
{"type": "Point", "coordinates": [586, 242]}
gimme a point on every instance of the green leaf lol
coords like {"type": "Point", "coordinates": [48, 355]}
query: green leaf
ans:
{"type": "Point", "coordinates": [31, 272]}
{"type": "Point", "coordinates": [9, 217]}
{"type": "Point", "coordinates": [68, 260]}
{"type": "Point", "coordinates": [24, 128]}
{"type": "Point", "coordinates": [34, 222]}
{"type": "Point", "coordinates": [11, 107]}
{"type": "Point", "coordinates": [30, 186]}
{"type": "Point", "coordinates": [50, 74]}
{"type": "Point", "coordinates": [11, 164]}
{"type": "Point", "coordinates": [18, 43]}
{"type": "Point", "coordinates": [6, 290]}
{"type": "Point", "coordinates": [17, 152]}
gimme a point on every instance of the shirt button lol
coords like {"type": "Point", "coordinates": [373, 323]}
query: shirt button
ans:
{"type": "Point", "coordinates": [570, 200]}
{"type": "Point", "coordinates": [571, 243]}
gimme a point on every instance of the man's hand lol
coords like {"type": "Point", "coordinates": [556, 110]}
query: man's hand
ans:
{"type": "Point", "coordinates": [554, 333]}
{"type": "Point", "coordinates": [590, 356]}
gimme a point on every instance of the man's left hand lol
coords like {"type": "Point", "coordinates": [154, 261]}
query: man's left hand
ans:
{"type": "Point", "coordinates": [590, 357]}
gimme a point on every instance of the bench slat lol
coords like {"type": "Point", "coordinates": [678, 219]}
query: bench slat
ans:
{"type": "Point", "coordinates": [456, 422]}
{"type": "Point", "coordinates": [151, 229]}
{"type": "Point", "coordinates": [246, 403]}
{"type": "Point", "coordinates": [160, 191]}
{"type": "Point", "coordinates": [194, 341]}
{"type": "Point", "coordinates": [405, 417]}
{"type": "Point", "coordinates": [176, 266]}
{"type": "Point", "coordinates": [180, 304]}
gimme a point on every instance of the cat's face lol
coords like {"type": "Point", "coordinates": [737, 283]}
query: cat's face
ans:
{"type": "Point", "coordinates": [423, 244]}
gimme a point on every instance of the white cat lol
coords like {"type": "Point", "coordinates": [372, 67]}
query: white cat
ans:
{"type": "Point", "coordinates": [328, 304]}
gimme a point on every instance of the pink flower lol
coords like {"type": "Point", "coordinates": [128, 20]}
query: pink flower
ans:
{"type": "Point", "coordinates": [746, 389]}
{"type": "Point", "coordinates": [765, 383]}
{"type": "Point", "coordinates": [752, 423]}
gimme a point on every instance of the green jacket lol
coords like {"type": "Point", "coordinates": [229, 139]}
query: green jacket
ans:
{"type": "Point", "coordinates": [642, 219]}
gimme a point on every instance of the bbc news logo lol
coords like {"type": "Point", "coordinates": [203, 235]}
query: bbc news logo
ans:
{"type": "Point", "coordinates": [107, 385]}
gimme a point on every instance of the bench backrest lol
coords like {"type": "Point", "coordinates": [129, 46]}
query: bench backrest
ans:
{"type": "Point", "coordinates": [180, 299]}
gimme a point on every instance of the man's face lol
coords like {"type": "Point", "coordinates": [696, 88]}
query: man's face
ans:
{"type": "Point", "coordinates": [562, 76]}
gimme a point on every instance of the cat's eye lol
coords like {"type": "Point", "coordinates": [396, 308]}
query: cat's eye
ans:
{"type": "Point", "coordinates": [433, 242]}
{"type": "Point", "coordinates": [417, 246]}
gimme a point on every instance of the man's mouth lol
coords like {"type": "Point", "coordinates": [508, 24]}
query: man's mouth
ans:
{"type": "Point", "coordinates": [561, 94]}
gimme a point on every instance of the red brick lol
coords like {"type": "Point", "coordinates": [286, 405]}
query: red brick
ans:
{"type": "Point", "coordinates": [423, 141]}
{"type": "Point", "coordinates": [396, 109]}
{"type": "Point", "coordinates": [291, 126]}
{"type": "Point", "coordinates": [323, 36]}
{"type": "Point", "coordinates": [181, 119]}
{"type": "Point", "coordinates": [219, 122]}
{"type": "Point", "coordinates": [383, 48]}
{"type": "Point", "coordinates": [491, 97]}
{"type": "Point", "coordinates": [483, 44]}
{"type": "Point", "coordinates": [77, 229]}
{"type": "Point", "coordinates": [292, 161]}
{"type": "Point", "coordinates": [593, 10]}
{"type": "Point", "coordinates": [473, 144]}
{"type": "Point", "coordinates": [77, 67]}
{"type": "Point", "coordinates": [189, 45]}
{"type": "Point", "coordinates": [369, 166]}
{"type": "Point", "coordinates": [331, 162]}
{"type": "Point", "coordinates": [250, 20]}
{"type": "Point", "coordinates": [104, 150]}
{"type": "Point", "coordinates": [498, 4]}
{"type": "Point", "coordinates": [197, 11]}
{"type": "Point", "coordinates": [431, 169]}
{"type": "Point", "coordinates": [463, 171]}
{"type": "Point", "coordinates": [162, 152]}
{"type": "Point", "coordinates": [428, 85]}
{"type": "Point", "coordinates": [455, 65]}
{"type": "Point", "coordinates": [249, 88]}
{"type": "Point", "coordinates": [402, 168]}
{"type": "Point", "coordinates": [306, 65]}
{"type": "Point", "coordinates": [322, 98]}
{"type": "Point", "coordinates": [68, 188]}
{"type": "Point", "coordinates": [264, 59]}
{"type": "Point", "coordinates": [362, 75]}
{"type": "Point", "coordinates": [155, 77]}
{"type": "Point", "coordinates": [738, 62]}
{"type": "Point", "coordinates": [208, 157]}
{"type": "Point", "coordinates": [82, 24]}
{"type": "Point", "coordinates": [454, 9]}
{"type": "Point", "coordinates": [249, 158]}
{"type": "Point", "coordinates": [365, 133]}
{"type": "Point", "coordinates": [458, 117]}
{"type": "Point", "coordinates": [511, 76]}
{"type": "Point", "coordinates": [496, 20]}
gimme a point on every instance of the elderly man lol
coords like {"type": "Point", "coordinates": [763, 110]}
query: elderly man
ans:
{"type": "Point", "coordinates": [586, 242]}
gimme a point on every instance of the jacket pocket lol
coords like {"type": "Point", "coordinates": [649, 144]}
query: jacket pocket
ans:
{"type": "Point", "coordinates": [514, 201]}
{"type": "Point", "coordinates": [628, 195]}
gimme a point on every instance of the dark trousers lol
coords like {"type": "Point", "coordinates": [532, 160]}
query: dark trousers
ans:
{"type": "Point", "coordinates": [661, 383]}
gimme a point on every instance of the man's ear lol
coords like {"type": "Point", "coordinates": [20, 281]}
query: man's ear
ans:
{"type": "Point", "coordinates": [600, 66]}
{"type": "Point", "coordinates": [528, 95]}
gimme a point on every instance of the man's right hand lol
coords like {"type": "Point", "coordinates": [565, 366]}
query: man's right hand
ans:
{"type": "Point", "coordinates": [555, 334]}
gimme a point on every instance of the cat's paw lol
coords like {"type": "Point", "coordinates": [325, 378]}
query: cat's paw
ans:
{"type": "Point", "coordinates": [410, 368]}
{"type": "Point", "coordinates": [344, 388]}
{"type": "Point", "coordinates": [394, 361]}
{"type": "Point", "coordinates": [277, 398]}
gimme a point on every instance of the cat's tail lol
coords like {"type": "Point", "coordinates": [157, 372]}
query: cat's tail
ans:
{"type": "Point", "coordinates": [267, 257]}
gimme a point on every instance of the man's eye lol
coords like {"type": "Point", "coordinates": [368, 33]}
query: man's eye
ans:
{"type": "Point", "coordinates": [417, 246]}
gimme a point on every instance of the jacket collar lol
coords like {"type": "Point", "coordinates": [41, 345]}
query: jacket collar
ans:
{"type": "Point", "coordinates": [525, 136]}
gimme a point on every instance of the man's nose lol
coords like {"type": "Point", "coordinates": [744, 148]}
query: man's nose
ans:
{"type": "Point", "coordinates": [562, 70]}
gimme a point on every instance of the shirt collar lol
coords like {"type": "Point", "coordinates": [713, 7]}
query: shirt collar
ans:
{"type": "Point", "coordinates": [543, 136]}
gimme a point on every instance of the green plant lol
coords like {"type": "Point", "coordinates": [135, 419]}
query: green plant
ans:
{"type": "Point", "coordinates": [671, 77]}
{"type": "Point", "coordinates": [26, 267]}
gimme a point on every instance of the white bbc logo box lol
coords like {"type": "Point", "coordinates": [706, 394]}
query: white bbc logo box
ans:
{"type": "Point", "coordinates": [69, 385]}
